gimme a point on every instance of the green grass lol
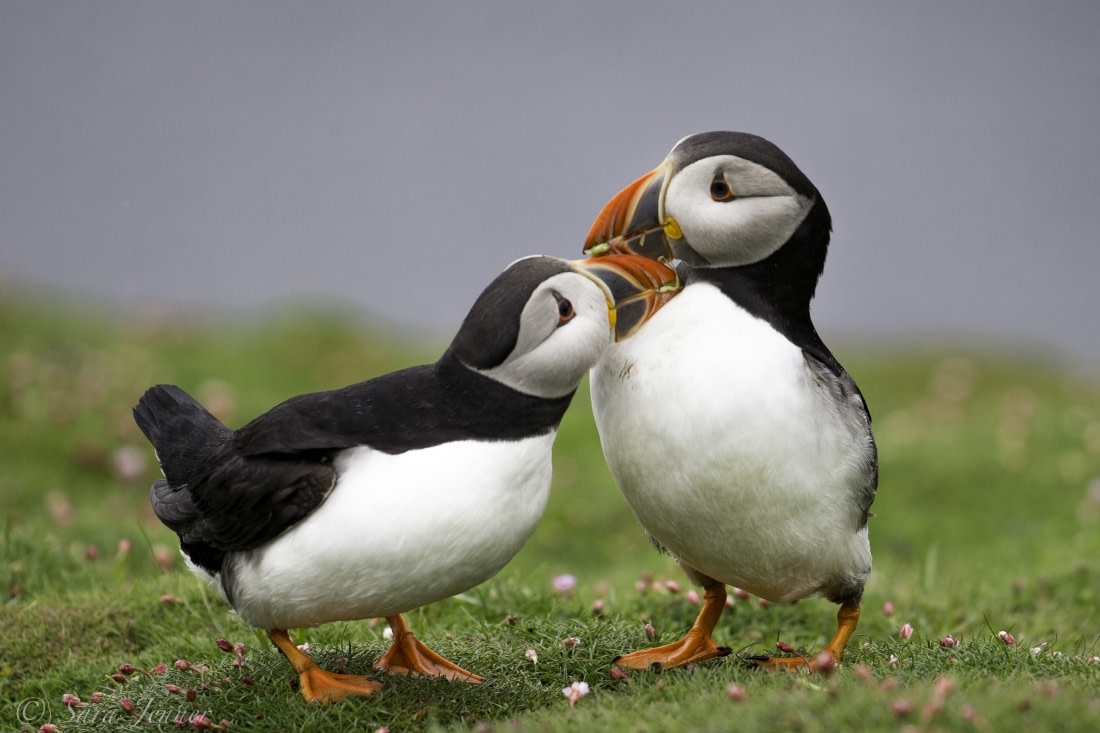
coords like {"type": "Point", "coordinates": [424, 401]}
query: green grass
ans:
{"type": "Point", "coordinates": [984, 522]}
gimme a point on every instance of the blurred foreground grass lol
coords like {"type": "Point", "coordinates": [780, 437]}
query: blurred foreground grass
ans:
{"type": "Point", "coordinates": [988, 518]}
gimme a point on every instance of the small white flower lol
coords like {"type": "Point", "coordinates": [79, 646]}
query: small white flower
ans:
{"type": "Point", "coordinates": [387, 633]}
{"type": "Point", "coordinates": [532, 655]}
{"type": "Point", "coordinates": [575, 692]}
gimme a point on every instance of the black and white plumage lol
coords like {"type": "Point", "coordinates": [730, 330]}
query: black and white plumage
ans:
{"type": "Point", "coordinates": [740, 443]}
{"type": "Point", "coordinates": [389, 494]}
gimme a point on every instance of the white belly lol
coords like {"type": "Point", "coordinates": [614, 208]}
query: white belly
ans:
{"type": "Point", "coordinates": [726, 453]}
{"type": "Point", "coordinates": [398, 532]}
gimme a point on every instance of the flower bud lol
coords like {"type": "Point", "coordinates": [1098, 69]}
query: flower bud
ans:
{"type": "Point", "coordinates": [825, 664]}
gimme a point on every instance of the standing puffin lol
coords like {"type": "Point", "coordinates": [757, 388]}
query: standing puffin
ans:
{"type": "Point", "coordinates": [378, 498]}
{"type": "Point", "coordinates": [759, 467]}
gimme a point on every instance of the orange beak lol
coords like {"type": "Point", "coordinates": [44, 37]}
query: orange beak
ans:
{"type": "Point", "coordinates": [634, 221]}
{"type": "Point", "coordinates": [636, 287]}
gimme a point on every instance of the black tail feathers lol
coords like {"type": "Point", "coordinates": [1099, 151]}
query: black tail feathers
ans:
{"type": "Point", "coordinates": [182, 431]}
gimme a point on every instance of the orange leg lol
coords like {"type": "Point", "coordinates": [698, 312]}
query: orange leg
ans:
{"type": "Point", "coordinates": [696, 646]}
{"type": "Point", "coordinates": [846, 619]}
{"type": "Point", "coordinates": [408, 656]}
{"type": "Point", "coordinates": [316, 684]}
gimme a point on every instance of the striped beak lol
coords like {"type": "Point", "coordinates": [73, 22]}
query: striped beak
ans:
{"type": "Point", "coordinates": [636, 287]}
{"type": "Point", "coordinates": [634, 221]}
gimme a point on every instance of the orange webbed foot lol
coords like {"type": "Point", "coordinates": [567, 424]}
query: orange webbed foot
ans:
{"type": "Point", "coordinates": [690, 649]}
{"type": "Point", "coordinates": [316, 684]}
{"type": "Point", "coordinates": [847, 618]}
{"type": "Point", "coordinates": [696, 646]}
{"type": "Point", "coordinates": [319, 686]}
{"type": "Point", "coordinates": [408, 656]}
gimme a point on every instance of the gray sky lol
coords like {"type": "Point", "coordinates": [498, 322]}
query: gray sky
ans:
{"type": "Point", "coordinates": [396, 156]}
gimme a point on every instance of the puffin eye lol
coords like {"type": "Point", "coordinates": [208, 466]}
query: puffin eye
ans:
{"type": "Point", "coordinates": [565, 309]}
{"type": "Point", "coordinates": [720, 190]}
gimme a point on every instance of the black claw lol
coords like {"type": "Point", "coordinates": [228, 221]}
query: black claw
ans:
{"type": "Point", "coordinates": [724, 650]}
{"type": "Point", "coordinates": [754, 661]}
{"type": "Point", "coordinates": [616, 659]}
{"type": "Point", "coordinates": [656, 667]}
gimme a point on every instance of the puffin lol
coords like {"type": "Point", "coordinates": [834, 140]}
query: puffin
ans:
{"type": "Point", "coordinates": [740, 443]}
{"type": "Point", "coordinates": [380, 497]}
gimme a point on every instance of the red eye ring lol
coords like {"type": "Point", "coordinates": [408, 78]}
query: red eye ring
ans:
{"type": "Point", "coordinates": [565, 309]}
{"type": "Point", "coordinates": [720, 190]}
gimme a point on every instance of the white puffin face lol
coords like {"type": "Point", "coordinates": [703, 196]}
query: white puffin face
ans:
{"type": "Point", "coordinates": [564, 329]}
{"type": "Point", "coordinates": [731, 211]}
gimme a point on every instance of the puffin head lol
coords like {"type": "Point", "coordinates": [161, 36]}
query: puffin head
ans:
{"type": "Point", "coordinates": [544, 322]}
{"type": "Point", "coordinates": [720, 199]}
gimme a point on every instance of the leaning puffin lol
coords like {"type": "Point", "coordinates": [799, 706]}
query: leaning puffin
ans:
{"type": "Point", "coordinates": [378, 498]}
{"type": "Point", "coordinates": [759, 467]}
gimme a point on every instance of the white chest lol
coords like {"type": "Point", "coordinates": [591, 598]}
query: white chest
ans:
{"type": "Point", "coordinates": [398, 532]}
{"type": "Point", "coordinates": [729, 453]}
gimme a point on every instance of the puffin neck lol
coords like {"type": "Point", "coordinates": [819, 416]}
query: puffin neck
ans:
{"type": "Point", "coordinates": [779, 288]}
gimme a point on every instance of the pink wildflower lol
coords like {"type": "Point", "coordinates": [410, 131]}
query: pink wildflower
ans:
{"type": "Point", "coordinates": [563, 583]}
